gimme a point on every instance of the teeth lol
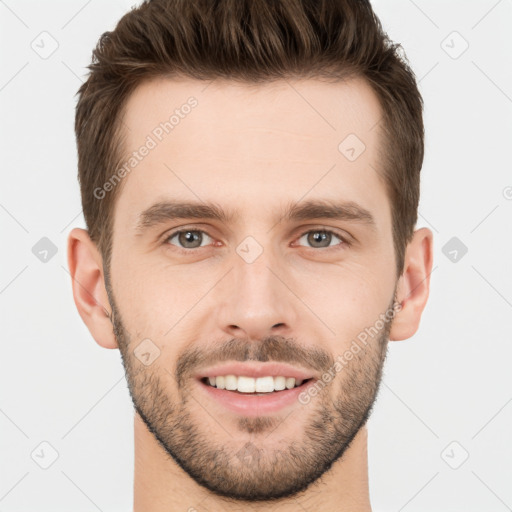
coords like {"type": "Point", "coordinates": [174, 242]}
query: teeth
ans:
{"type": "Point", "coordinates": [231, 382]}
{"type": "Point", "coordinates": [264, 384]}
{"type": "Point", "coordinates": [279, 383]}
{"type": "Point", "coordinates": [245, 384]}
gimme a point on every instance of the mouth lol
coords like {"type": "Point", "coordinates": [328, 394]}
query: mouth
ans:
{"type": "Point", "coordinates": [261, 386]}
{"type": "Point", "coordinates": [247, 399]}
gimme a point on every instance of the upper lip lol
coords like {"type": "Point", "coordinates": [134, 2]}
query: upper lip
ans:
{"type": "Point", "coordinates": [255, 370]}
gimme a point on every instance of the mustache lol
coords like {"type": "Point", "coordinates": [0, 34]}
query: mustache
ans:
{"type": "Point", "coordinates": [272, 348]}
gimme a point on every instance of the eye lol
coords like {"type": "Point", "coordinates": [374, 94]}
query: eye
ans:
{"type": "Point", "coordinates": [322, 238]}
{"type": "Point", "coordinates": [188, 238]}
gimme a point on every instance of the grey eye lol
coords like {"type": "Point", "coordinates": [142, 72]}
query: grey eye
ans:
{"type": "Point", "coordinates": [188, 238]}
{"type": "Point", "coordinates": [319, 238]}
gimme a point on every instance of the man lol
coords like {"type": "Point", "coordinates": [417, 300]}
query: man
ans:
{"type": "Point", "coordinates": [249, 173]}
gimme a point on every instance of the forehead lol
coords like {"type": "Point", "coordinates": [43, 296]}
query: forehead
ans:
{"type": "Point", "coordinates": [250, 146]}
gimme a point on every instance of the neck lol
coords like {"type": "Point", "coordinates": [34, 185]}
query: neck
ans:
{"type": "Point", "coordinates": [160, 485]}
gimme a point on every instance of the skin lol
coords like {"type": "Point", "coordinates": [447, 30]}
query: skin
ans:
{"type": "Point", "coordinates": [253, 150]}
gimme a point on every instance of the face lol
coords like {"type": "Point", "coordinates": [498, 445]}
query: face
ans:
{"type": "Point", "coordinates": [284, 261]}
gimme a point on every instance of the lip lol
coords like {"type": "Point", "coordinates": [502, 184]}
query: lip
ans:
{"type": "Point", "coordinates": [256, 370]}
{"type": "Point", "coordinates": [253, 405]}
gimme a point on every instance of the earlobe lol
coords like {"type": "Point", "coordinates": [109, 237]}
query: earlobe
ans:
{"type": "Point", "coordinates": [89, 292]}
{"type": "Point", "coordinates": [413, 286]}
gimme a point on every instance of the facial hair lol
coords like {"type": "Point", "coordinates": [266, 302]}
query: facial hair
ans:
{"type": "Point", "coordinates": [251, 471]}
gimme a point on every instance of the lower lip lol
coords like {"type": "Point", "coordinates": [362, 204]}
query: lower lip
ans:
{"type": "Point", "coordinates": [254, 405]}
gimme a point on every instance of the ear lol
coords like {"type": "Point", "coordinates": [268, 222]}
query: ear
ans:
{"type": "Point", "coordinates": [413, 285]}
{"type": "Point", "coordinates": [89, 292]}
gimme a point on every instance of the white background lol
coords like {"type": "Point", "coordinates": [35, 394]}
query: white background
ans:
{"type": "Point", "coordinates": [446, 392]}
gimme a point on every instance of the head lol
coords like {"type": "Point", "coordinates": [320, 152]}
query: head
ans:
{"type": "Point", "coordinates": [255, 126]}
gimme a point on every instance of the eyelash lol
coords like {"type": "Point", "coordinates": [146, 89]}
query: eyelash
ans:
{"type": "Point", "coordinates": [344, 241]}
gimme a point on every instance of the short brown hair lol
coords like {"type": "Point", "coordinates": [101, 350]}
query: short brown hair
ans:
{"type": "Point", "coordinates": [249, 41]}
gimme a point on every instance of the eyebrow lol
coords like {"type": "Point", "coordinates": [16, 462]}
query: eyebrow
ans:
{"type": "Point", "coordinates": [163, 211]}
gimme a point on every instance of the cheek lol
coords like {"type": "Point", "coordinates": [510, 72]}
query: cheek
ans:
{"type": "Point", "coordinates": [153, 297]}
{"type": "Point", "coordinates": [347, 297]}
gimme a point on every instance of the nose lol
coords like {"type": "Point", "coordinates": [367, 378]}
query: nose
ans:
{"type": "Point", "coordinates": [257, 301]}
